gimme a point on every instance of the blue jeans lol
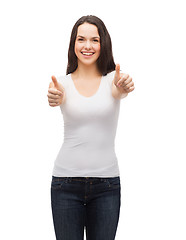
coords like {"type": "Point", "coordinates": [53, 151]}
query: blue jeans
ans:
{"type": "Point", "coordinates": [92, 203]}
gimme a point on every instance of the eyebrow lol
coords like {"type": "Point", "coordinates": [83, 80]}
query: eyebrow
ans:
{"type": "Point", "coordinates": [83, 37]}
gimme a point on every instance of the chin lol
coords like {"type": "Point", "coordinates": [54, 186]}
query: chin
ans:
{"type": "Point", "coordinates": [88, 61]}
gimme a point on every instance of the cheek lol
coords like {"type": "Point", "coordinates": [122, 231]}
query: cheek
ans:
{"type": "Point", "coordinates": [98, 48]}
{"type": "Point", "coordinates": [76, 48]}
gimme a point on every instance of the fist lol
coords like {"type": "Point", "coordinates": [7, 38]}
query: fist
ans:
{"type": "Point", "coordinates": [56, 93]}
{"type": "Point", "coordinates": [123, 81]}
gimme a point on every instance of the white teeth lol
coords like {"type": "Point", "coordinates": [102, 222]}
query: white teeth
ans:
{"type": "Point", "coordinates": [87, 53]}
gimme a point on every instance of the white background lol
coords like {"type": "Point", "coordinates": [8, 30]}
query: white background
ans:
{"type": "Point", "coordinates": [149, 43]}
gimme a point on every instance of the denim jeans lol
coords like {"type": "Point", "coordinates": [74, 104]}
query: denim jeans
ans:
{"type": "Point", "coordinates": [89, 203]}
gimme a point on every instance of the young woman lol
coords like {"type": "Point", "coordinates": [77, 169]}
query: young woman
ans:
{"type": "Point", "coordinates": [85, 185]}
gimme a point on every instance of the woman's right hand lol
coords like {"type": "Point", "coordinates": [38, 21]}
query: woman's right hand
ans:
{"type": "Point", "coordinates": [56, 93]}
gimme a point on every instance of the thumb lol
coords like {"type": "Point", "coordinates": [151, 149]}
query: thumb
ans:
{"type": "Point", "coordinates": [55, 82]}
{"type": "Point", "coordinates": [117, 73]}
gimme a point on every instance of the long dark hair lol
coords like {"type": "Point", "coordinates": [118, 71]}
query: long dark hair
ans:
{"type": "Point", "coordinates": [105, 62]}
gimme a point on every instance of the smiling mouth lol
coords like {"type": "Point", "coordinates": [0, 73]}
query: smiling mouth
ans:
{"type": "Point", "coordinates": [87, 54]}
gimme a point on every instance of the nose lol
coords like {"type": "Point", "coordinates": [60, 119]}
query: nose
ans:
{"type": "Point", "coordinates": [87, 45]}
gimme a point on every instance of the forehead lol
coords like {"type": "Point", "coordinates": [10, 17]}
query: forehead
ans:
{"type": "Point", "coordinates": [87, 30]}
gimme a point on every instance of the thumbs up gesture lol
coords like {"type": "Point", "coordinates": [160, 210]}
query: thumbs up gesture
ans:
{"type": "Point", "coordinates": [123, 81]}
{"type": "Point", "coordinates": [56, 93]}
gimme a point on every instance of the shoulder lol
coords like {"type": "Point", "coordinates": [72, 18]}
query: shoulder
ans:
{"type": "Point", "coordinates": [110, 74]}
{"type": "Point", "coordinates": [63, 79]}
{"type": "Point", "coordinates": [109, 77]}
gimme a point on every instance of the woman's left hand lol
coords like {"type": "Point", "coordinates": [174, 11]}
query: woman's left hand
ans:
{"type": "Point", "coordinates": [123, 81]}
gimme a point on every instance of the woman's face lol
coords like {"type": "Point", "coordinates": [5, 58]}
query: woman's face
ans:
{"type": "Point", "coordinates": [87, 44]}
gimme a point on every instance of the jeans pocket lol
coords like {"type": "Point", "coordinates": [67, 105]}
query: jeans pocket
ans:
{"type": "Point", "coordinates": [57, 182]}
{"type": "Point", "coordinates": [114, 182]}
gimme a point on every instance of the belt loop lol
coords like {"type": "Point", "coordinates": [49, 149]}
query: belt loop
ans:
{"type": "Point", "coordinates": [69, 179]}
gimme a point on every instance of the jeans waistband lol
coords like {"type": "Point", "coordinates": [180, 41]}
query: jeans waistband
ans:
{"type": "Point", "coordinates": [84, 178]}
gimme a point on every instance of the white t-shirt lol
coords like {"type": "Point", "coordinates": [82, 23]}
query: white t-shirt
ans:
{"type": "Point", "coordinates": [90, 124]}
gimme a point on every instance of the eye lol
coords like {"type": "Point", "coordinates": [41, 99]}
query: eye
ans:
{"type": "Point", "coordinates": [80, 39]}
{"type": "Point", "coordinates": [95, 40]}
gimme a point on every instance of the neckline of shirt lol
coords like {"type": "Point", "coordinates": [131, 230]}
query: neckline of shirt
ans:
{"type": "Point", "coordinates": [82, 96]}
